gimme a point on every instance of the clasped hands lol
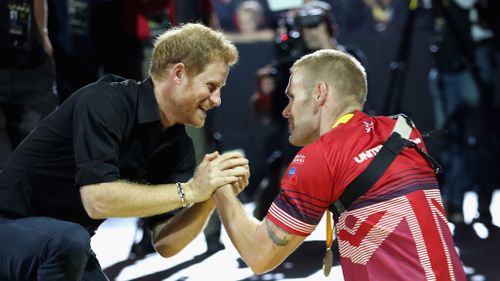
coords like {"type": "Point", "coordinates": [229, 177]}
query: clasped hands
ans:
{"type": "Point", "coordinates": [229, 170]}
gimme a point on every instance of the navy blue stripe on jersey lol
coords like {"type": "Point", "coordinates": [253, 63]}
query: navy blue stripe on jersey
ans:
{"type": "Point", "coordinates": [309, 215]}
{"type": "Point", "coordinates": [400, 189]}
{"type": "Point", "coordinates": [388, 186]}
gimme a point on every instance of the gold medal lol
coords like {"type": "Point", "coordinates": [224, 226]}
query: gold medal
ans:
{"type": "Point", "coordinates": [327, 262]}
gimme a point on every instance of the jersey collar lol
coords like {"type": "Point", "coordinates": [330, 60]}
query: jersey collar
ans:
{"type": "Point", "coordinates": [344, 119]}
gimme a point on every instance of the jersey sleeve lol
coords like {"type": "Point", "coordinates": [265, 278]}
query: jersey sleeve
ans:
{"type": "Point", "coordinates": [306, 188]}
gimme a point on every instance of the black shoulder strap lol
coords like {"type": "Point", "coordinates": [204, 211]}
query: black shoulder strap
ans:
{"type": "Point", "coordinates": [388, 152]}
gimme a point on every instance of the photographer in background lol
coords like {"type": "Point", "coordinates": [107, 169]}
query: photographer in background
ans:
{"type": "Point", "coordinates": [310, 28]}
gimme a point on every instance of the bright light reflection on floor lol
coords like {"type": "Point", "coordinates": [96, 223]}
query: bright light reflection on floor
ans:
{"type": "Point", "coordinates": [481, 230]}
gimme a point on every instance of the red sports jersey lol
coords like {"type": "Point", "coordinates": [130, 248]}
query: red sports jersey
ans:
{"type": "Point", "coordinates": [397, 231]}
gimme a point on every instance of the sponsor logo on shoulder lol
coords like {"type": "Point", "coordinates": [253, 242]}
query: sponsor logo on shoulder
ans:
{"type": "Point", "coordinates": [368, 126]}
{"type": "Point", "coordinates": [299, 159]}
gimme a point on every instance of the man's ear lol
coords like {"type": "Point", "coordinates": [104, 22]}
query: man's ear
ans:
{"type": "Point", "coordinates": [179, 72]}
{"type": "Point", "coordinates": [321, 93]}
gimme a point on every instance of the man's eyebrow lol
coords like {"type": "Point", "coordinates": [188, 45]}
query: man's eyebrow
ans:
{"type": "Point", "coordinates": [217, 84]}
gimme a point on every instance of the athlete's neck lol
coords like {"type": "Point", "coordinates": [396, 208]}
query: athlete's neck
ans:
{"type": "Point", "coordinates": [336, 117]}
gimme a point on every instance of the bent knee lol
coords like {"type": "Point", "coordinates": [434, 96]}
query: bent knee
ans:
{"type": "Point", "coordinates": [73, 242]}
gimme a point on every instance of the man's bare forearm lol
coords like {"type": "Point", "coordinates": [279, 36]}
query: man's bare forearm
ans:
{"type": "Point", "coordinates": [245, 231]}
{"type": "Point", "coordinates": [126, 199]}
{"type": "Point", "coordinates": [262, 245]}
{"type": "Point", "coordinates": [175, 234]}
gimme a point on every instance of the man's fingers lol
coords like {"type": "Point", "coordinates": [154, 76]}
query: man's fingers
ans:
{"type": "Point", "coordinates": [228, 160]}
{"type": "Point", "coordinates": [207, 159]}
{"type": "Point", "coordinates": [237, 187]}
{"type": "Point", "coordinates": [232, 154]}
{"type": "Point", "coordinates": [236, 171]}
{"type": "Point", "coordinates": [225, 180]}
{"type": "Point", "coordinates": [232, 163]}
{"type": "Point", "coordinates": [211, 156]}
{"type": "Point", "coordinates": [240, 185]}
{"type": "Point", "coordinates": [218, 170]}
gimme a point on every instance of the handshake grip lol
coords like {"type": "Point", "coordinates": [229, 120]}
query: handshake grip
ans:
{"type": "Point", "coordinates": [214, 172]}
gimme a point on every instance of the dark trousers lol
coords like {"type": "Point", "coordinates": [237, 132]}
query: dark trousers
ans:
{"type": "Point", "coordinates": [46, 249]}
{"type": "Point", "coordinates": [26, 97]}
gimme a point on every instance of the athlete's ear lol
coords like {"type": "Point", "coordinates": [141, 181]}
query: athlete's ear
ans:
{"type": "Point", "coordinates": [321, 90]}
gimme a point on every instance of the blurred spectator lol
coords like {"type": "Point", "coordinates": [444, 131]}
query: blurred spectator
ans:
{"type": "Point", "coordinates": [184, 11]}
{"type": "Point", "coordinates": [250, 23]}
{"type": "Point", "coordinates": [456, 96]}
{"type": "Point", "coordinates": [366, 16]}
{"type": "Point", "coordinates": [95, 37]}
{"type": "Point", "coordinates": [27, 92]}
{"type": "Point", "coordinates": [119, 49]}
{"type": "Point", "coordinates": [74, 50]}
{"type": "Point", "coordinates": [354, 16]}
{"type": "Point", "coordinates": [382, 12]}
{"type": "Point", "coordinates": [481, 16]}
{"type": "Point", "coordinates": [262, 99]}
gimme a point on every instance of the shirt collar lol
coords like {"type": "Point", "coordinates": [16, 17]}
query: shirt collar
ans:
{"type": "Point", "coordinates": [148, 106]}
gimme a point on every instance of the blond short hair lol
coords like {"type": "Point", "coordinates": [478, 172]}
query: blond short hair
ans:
{"type": "Point", "coordinates": [339, 70]}
{"type": "Point", "coordinates": [193, 44]}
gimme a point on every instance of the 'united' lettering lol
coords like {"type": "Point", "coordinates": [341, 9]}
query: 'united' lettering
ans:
{"type": "Point", "coordinates": [370, 153]}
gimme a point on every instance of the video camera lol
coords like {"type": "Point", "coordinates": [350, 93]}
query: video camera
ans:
{"type": "Point", "coordinates": [289, 40]}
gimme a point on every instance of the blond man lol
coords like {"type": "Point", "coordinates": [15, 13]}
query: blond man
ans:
{"type": "Point", "coordinates": [396, 230]}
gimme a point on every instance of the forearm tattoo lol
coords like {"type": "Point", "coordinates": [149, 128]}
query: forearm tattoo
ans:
{"type": "Point", "coordinates": [274, 236]}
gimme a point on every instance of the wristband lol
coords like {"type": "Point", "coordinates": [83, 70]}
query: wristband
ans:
{"type": "Point", "coordinates": [182, 195]}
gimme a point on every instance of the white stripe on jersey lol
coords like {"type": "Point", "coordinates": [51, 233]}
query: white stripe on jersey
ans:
{"type": "Point", "coordinates": [290, 221]}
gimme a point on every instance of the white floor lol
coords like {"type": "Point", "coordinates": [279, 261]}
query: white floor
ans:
{"type": "Point", "coordinates": [115, 236]}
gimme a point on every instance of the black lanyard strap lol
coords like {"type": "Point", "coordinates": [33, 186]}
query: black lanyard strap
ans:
{"type": "Point", "coordinates": [398, 140]}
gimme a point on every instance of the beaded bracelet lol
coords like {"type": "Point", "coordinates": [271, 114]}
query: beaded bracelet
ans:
{"type": "Point", "coordinates": [182, 195]}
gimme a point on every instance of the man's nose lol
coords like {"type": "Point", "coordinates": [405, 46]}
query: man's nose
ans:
{"type": "Point", "coordinates": [215, 98]}
{"type": "Point", "coordinates": [286, 112]}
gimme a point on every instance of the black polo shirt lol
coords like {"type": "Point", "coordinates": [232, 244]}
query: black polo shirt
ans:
{"type": "Point", "coordinates": [106, 131]}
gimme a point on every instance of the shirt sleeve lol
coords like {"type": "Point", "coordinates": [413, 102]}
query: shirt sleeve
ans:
{"type": "Point", "coordinates": [306, 188]}
{"type": "Point", "coordinates": [99, 120]}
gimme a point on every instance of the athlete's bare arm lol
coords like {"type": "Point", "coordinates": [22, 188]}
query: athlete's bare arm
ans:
{"type": "Point", "coordinates": [262, 244]}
